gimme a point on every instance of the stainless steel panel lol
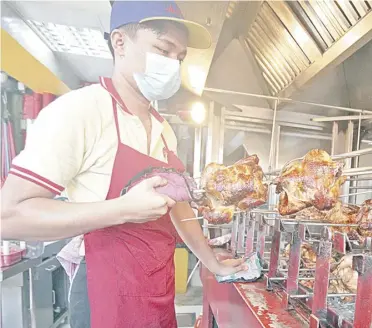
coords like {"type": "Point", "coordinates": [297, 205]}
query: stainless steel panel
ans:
{"type": "Point", "coordinates": [14, 302]}
{"type": "Point", "coordinates": [308, 24]}
{"type": "Point", "coordinates": [339, 16]}
{"type": "Point", "coordinates": [20, 267]}
{"type": "Point", "coordinates": [331, 18]}
{"type": "Point", "coordinates": [265, 59]}
{"type": "Point", "coordinates": [42, 291]}
{"type": "Point", "coordinates": [365, 5]}
{"type": "Point", "coordinates": [348, 11]}
{"type": "Point", "coordinates": [282, 33]}
{"type": "Point", "coordinates": [358, 36]}
{"type": "Point", "coordinates": [269, 77]}
{"type": "Point", "coordinates": [277, 59]}
{"type": "Point", "coordinates": [359, 8]}
{"type": "Point", "coordinates": [296, 29]}
{"type": "Point", "coordinates": [269, 27]}
{"type": "Point", "coordinates": [326, 36]}
{"type": "Point", "coordinates": [264, 54]}
{"type": "Point", "coordinates": [273, 91]}
{"type": "Point", "coordinates": [60, 285]}
{"type": "Point", "coordinates": [323, 17]}
{"type": "Point", "coordinates": [274, 86]}
{"type": "Point", "coordinates": [277, 48]}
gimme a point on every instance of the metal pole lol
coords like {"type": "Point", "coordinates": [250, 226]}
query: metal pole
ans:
{"type": "Point", "coordinates": [356, 162]}
{"type": "Point", "coordinates": [356, 159]}
{"type": "Point", "coordinates": [348, 148]}
{"type": "Point", "coordinates": [271, 156]}
{"type": "Point", "coordinates": [197, 152]}
{"type": "Point", "coordinates": [277, 147]}
{"type": "Point", "coordinates": [334, 137]}
{"type": "Point", "coordinates": [221, 139]}
{"type": "Point", "coordinates": [354, 110]}
{"type": "Point", "coordinates": [354, 153]}
{"type": "Point", "coordinates": [342, 118]}
{"type": "Point", "coordinates": [209, 145]}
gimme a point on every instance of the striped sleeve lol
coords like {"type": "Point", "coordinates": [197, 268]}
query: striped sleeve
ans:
{"type": "Point", "coordinates": [54, 149]}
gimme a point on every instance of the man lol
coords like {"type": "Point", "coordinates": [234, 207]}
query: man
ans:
{"type": "Point", "coordinates": [89, 144]}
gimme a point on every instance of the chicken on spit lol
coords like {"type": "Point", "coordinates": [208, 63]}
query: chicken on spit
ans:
{"type": "Point", "coordinates": [307, 256]}
{"type": "Point", "coordinates": [344, 214]}
{"type": "Point", "coordinates": [352, 215]}
{"type": "Point", "coordinates": [309, 213]}
{"type": "Point", "coordinates": [344, 278]}
{"type": "Point", "coordinates": [227, 188]}
{"type": "Point", "coordinates": [364, 219]}
{"type": "Point", "coordinates": [313, 181]}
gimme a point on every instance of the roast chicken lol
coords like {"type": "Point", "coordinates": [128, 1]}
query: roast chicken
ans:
{"type": "Point", "coordinates": [344, 278]}
{"type": "Point", "coordinates": [314, 180]}
{"type": "Point", "coordinates": [344, 214]}
{"type": "Point", "coordinates": [239, 186]}
{"type": "Point", "coordinates": [364, 219]}
{"type": "Point", "coordinates": [308, 256]}
{"type": "Point", "coordinates": [310, 213]}
{"type": "Point", "coordinates": [352, 215]}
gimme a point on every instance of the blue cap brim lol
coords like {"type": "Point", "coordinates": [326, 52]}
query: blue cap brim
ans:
{"type": "Point", "coordinates": [199, 36]}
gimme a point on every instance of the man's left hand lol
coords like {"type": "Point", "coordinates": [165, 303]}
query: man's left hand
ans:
{"type": "Point", "coordinates": [230, 266]}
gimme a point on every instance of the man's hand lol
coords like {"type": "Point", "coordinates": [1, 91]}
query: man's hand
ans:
{"type": "Point", "coordinates": [144, 203]}
{"type": "Point", "coordinates": [230, 266]}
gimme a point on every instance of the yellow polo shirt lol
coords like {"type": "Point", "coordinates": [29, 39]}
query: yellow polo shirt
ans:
{"type": "Point", "coordinates": [71, 146]}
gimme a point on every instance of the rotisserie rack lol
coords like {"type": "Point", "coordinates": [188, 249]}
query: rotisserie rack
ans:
{"type": "Point", "coordinates": [317, 259]}
{"type": "Point", "coordinates": [317, 271]}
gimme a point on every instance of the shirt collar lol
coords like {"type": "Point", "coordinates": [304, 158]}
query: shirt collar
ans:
{"type": "Point", "coordinates": [109, 86]}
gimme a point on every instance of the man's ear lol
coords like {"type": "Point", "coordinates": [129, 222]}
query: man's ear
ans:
{"type": "Point", "coordinates": [118, 41]}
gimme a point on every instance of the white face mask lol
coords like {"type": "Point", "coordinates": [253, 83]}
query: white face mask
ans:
{"type": "Point", "coordinates": [161, 79]}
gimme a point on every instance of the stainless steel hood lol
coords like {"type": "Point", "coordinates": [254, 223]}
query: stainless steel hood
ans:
{"type": "Point", "coordinates": [292, 41]}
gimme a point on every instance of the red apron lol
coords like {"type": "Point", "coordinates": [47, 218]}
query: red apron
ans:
{"type": "Point", "coordinates": [130, 268]}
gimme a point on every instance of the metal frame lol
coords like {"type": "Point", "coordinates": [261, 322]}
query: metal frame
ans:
{"type": "Point", "coordinates": [258, 305]}
{"type": "Point", "coordinates": [232, 304]}
{"type": "Point", "coordinates": [288, 100]}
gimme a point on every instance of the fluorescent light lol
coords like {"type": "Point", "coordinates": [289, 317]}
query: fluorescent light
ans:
{"type": "Point", "coordinates": [198, 112]}
{"type": "Point", "coordinates": [70, 39]}
{"type": "Point", "coordinates": [197, 77]}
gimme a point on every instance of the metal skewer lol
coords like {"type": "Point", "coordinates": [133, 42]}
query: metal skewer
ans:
{"type": "Point", "coordinates": [357, 193]}
{"type": "Point", "coordinates": [329, 295]}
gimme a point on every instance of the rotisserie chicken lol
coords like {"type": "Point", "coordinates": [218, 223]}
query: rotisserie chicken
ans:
{"type": "Point", "coordinates": [364, 219]}
{"type": "Point", "coordinates": [344, 278]}
{"type": "Point", "coordinates": [343, 214]}
{"type": "Point", "coordinates": [308, 256]}
{"type": "Point", "coordinates": [313, 181]}
{"type": "Point", "coordinates": [310, 213]}
{"type": "Point", "coordinates": [352, 215]}
{"type": "Point", "coordinates": [228, 188]}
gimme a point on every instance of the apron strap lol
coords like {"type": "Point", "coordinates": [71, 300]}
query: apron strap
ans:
{"type": "Point", "coordinates": [165, 143]}
{"type": "Point", "coordinates": [109, 86]}
{"type": "Point", "coordinates": [115, 109]}
{"type": "Point", "coordinates": [116, 100]}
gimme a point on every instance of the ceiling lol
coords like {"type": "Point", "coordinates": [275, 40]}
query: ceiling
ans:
{"type": "Point", "coordinates": [330, 64]}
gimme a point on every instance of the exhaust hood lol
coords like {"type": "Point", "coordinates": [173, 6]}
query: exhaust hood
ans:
{"type": "Point", "coordinates": [292, 41]}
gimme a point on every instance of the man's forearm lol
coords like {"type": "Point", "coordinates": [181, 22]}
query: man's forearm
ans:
{"type": "Point", "coordinates": [48, 219]}
{"type": "Point", "coordinates": [192, 235]}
